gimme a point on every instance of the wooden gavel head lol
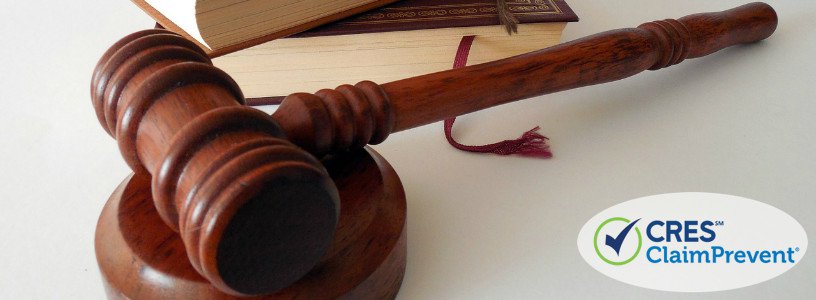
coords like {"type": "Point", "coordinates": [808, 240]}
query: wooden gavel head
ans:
{"type": "Point", "coordinates": [255, 212]}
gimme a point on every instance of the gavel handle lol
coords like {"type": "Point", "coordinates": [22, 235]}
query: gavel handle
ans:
{"type": "Point", "coordinates": [366, 113]}
{"type": "Point", "coordinates": [600, 58]}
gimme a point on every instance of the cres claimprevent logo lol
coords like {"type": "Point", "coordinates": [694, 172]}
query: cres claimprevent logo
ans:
{"type": "Point", "coordinates": [692, 242]}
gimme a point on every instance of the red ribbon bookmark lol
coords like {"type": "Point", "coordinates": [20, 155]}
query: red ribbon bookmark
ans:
{"type": "Point", "coordinates": [531, 143]}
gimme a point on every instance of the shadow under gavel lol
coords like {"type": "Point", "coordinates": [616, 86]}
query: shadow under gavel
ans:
{"type": "Point", "coordinates": [253, 204]}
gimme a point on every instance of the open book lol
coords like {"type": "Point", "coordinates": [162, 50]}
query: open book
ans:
{"type": "Point", "coordinates": [223, 26]}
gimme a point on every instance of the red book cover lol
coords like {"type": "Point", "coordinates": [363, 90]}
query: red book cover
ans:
{"type": "Point", "coordinates": [431, 14]}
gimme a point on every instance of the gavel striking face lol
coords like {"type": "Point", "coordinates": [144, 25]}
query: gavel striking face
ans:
{"type": "Point", "coordinates": [253, 204]}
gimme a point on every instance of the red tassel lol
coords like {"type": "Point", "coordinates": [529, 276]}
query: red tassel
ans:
{"type": "Point", "coordinates": [531, 143]}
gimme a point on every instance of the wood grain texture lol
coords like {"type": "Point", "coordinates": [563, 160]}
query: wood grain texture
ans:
{"type": "Point", "coordinates": [141, 258]}
{"type": "Point", "coordinates": [255, 212]}
{"type": "Point", "coordinates": [337, 120]}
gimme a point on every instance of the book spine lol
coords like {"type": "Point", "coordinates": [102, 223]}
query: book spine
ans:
{"type": "Point", "coordinates": [429, 14]}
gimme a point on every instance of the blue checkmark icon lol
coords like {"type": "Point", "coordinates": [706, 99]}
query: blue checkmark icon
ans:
{"type": "Point", "coordinates": [616, 242]}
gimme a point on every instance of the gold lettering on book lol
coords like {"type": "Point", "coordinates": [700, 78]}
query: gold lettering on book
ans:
{"type": "Point", "coordinates": [402, 14]}
{"type": "Point", "coordinates": [462, 11]}
{"type": "Point", "coordinates": [376, 16]}
{"type": "Point", "coordinates": [455, 12]}
{"type": "Point", "coordinates": [491, 9]}
{"type": "Point", "coordinates": [529, 8]}
{"type": "Point", "coordinates": [430, 13]}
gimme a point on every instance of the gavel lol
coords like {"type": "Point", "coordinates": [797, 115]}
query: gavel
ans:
{"type": "Point", "coordinates": [247, 192]}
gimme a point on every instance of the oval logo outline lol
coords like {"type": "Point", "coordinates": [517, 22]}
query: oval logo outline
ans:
{"type": "Point", "coordinates": [692, 242]}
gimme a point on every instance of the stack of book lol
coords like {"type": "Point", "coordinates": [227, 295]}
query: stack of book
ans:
{"type": "Point", "coordinates": [276, 47]}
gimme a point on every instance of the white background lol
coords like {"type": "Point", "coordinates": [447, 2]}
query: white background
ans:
{"type": "Point", "coordinates": [741, 122]}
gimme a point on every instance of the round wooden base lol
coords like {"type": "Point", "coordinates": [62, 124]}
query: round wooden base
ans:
{"type": "Point", "coordinates": [141, 258]}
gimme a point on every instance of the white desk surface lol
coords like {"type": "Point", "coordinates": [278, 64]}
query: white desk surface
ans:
{"type": "Point", "coordinates": [741, 122]}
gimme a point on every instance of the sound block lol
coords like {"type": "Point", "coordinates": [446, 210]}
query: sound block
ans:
{"type": "Point", "coordinates": [141, 258]}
